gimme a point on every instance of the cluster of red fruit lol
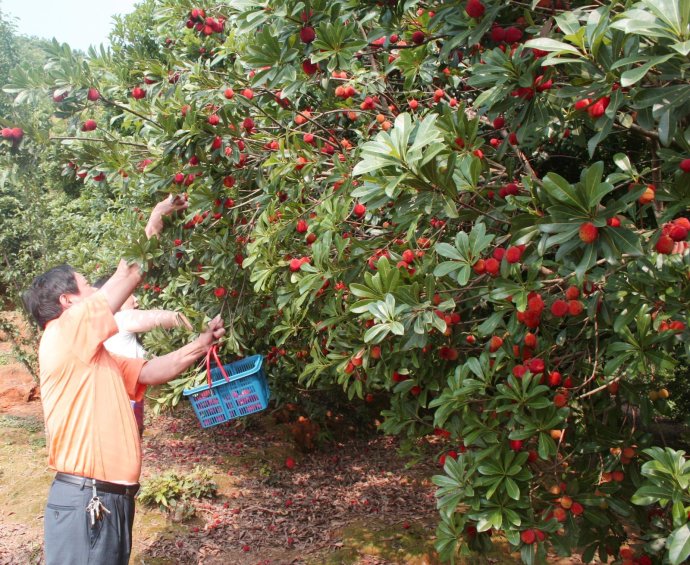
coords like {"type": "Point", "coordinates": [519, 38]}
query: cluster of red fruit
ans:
{"type": "Point", "coordinates": [452, 454]}
{"type": "Point", "coordinates": [187, 179]}
{"type": "Point", "coordinates": [510, 189]}
{"type": "Point", "coordinates": [570, 306]}
{"type": "Point", "coordinates": [627, 556]}
{"type": "Point", "coordinates": [595, 108]}
{"type": "Point", "coordinates": [408, 258]}
{"type": "Point", "coordinates": [540, 84]}
{"type": "Point", "coordinates": [565, 504]}
{"type": "Point", "coordinates": [492, 265]}
{"type": "Point", "coordinates": [14, 135]}
{"type": "Point", "coordinates": [297, 262]}
{"type": "Point", "coordinates": [510, 34]}
{"type": "Point", "coordinates": [672, 233]}
{"type": "Point", "coordinates": [206, 25]}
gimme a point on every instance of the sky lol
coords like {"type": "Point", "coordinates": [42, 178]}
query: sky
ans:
{"type": "Point", "coordinates": [79, 23]}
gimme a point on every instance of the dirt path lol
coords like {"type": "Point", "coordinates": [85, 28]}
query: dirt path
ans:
{"type": "Point", "coordinates": [353, 502]}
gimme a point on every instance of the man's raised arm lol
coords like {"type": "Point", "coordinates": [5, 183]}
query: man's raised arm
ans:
{"type": "Point", "coordinates": [128, 275]}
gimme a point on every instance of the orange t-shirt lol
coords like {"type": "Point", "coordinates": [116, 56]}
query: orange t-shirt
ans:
{"type": "Point", "coordinates": [90, 426]}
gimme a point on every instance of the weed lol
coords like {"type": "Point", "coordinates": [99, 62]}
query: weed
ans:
{"type": "Point", "coordinates": [171, 490]}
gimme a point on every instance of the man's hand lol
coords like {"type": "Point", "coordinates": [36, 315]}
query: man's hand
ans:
{"type": "Point", "coordinates": [163, 369]}
{"type": "Point", "coordinates": [213, 332]}
{"type": "Point", "coordinates": [173, 203]}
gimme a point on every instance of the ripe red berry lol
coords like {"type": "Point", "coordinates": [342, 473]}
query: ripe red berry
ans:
{"type": "Point", "coordinates": [495, 343]}
{"type": "Point", "coordinates": [89, 125]}
{"type": "Point", "coordinates": [498, 34]}
{"type": "Point", "coordinates": [560, 400]}
{"type": "Point", "coordinates": [93, 94]}
{"type": "Point", "coordinates": [572, 293]}
{"type": "Point", "coordinates": [530, 340]}
{"type": "Point", "coordinates": [295, 264]}
{"type": "Point", "coordinates": [302, 226]}
{"type": "Point", "coordinates": [513, 254]}
{"type": "Point", "coordinates": [516, 444]}
{"type": "Point", "coordinates": [597, 109]}
{"type": "Point", "coordinates": [359, 210]}
{"type": "Point", "coordinates": [408, 256]}
{"type": "Point", "coordinates": [290, 463]}
{"type": "Point", "coordinates": [583, 104]}
{"type": "Point", "coordinates": [499, 122]}
{"type": "Point", "coordinates": [685, 165]}
{"type": "Point", "coordinates": [575, 307]}
{"type": "Point", "coordinates": [220, 292]}
{"type": "Point", "coordinates": [492, 266]}
{"type": "Point", "coordinates": [554, 378]}
{"type": "Point", "coordinates": [307, 34]}
{"type": "Point", "coordinates": [528, 537]}
{"type": "Point", "coordinates": [138, 93]}
{"type": "Point", "coordinates": [588, 232]}
{"type": "Point", "coordinates": [664, 245]}
{"type": "Point", "coordinates": [559, 308]}
{"type": "Point", "coordinates": [309, 68]}
{"type": "Point", "coordinates": [418, 37]}
{"type": "Point", "coordinates": [474, 8]}
{"type": "Point", "coordinates": [678, 232]}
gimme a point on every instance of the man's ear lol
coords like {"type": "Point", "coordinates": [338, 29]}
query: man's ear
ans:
{"type": "Point", "coordinates": [65, 301]}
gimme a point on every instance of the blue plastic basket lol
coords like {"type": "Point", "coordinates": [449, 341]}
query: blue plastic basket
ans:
{"type": "Point", "coordinates": [244, 392]}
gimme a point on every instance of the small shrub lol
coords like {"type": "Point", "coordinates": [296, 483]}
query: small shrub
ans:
{"type": "Point", "coordinates": [171, 489]}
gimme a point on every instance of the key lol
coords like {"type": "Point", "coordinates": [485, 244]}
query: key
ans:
{"type": "Point", "coordinates": [92, 513]}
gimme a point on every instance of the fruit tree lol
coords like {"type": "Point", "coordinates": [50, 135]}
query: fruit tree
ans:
{"type": "Point", "coordinates": [474, 210]}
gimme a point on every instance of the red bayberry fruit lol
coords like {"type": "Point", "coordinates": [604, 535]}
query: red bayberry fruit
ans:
{"type": "Point", "coordinates": [559, 308]}
{"type": "Point", "coordinates": [418, 37]}
{"type": "Point", "coordinates": [495, 343]}
{"type": "Point", "coordinates": [89, 125]}
{"type": "Point", "coordinates": [93, 94]}
{"type": "Point", "coordinates": [309, 68]}
{"type": "Point", "coordinates": [513, 254]}
{"type": "Point", "coordinates": [588, 232]}
{"type": "Point", "coordinates": [474, 8]}
{"type": "Point", "coordinates": [685, 165]}
{"type": "Point", "coordinates": [664, 245]}
{"type": "Point", "coordinates": [307, 34]}
{"type": "Point", "coordinates": [138, 93]}
{"type": "Point", "coordinates": [528, 537]}
{"type": "Point", "coordinates": [572, 293]}
{"type": "Point", "coordinates": [516, 444]}
{"type": "Point", "coordinates": [359, 210]}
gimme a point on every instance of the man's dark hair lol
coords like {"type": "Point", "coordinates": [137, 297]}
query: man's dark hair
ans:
{"type": "Point", "coordinates": [42, 299]}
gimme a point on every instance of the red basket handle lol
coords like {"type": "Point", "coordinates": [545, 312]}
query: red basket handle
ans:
{"type": "Point", "coordinates": [213, 351]}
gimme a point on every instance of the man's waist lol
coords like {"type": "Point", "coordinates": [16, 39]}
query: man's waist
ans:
{"type": "Point", "coordinates": [103, 486]}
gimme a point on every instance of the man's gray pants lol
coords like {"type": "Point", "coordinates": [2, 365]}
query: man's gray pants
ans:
{"type": "Point", "coordinates": [69, 537]}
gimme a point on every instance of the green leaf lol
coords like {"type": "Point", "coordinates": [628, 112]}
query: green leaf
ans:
{"type": "Point", "coordinates": [552, 46]}
{"type": "Point", "coordinates": [512, 489]}
{"type": "Point", "coordinates": [628, 78]}
{"type": "Point", "coordinates": [678, 544]}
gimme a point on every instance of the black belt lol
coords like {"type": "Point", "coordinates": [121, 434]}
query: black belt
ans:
{"type": "Point", "coordinates": [103, 486]}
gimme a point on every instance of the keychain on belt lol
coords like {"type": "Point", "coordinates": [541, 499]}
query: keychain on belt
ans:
{"type": "Point", "coordinates": [95, 506]}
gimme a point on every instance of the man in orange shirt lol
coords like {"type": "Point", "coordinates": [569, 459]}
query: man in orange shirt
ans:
{"type": "Point", "coordinates": [92, 436]}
